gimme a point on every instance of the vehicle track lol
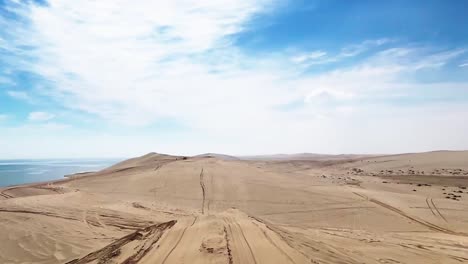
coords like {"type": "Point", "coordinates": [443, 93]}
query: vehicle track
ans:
{"type": "Point", "coordinates": [419, 221]}
{"type": "Point", "coordinates": [322, 209]}
{"type": "Point", "coordinates": [202, 185]}
{"type": "Point", "coordinates": [178, 241]}
{"type": "Point", "coordinates": [37, 213]}
{"type": "Point", "coordinates": [85, 218]}
{"type": "Point", "coordinates": [99, 220]}
{"type": "Point", "coordinates": [233, 223]}
{"type": "Point", "coordinates": [428, 205]}
{"type": "Point", "coordinates": [210, 198]}
{"type": "Point", "coordinates": [437, 209]}
{"type": "Point", "coordinates": [161, 183]}
{"type": "Point", "coordinates": [148, 237]}
{"type": "Point", "coordinates": [246, 241]}
{"type": "Point", "coordinates": [274, 244]}
{"type": "Point", "coordinates": [92, 219]}
{"type": "Point", "coordinates": [6, 196]}
{"type": "Point", "coordinates": [279, 231]}
{"type": "Point", "coordinates": [228, 246]}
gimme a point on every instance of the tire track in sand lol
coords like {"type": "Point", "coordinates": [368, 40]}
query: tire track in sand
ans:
{"type": "Point", "coordinates": [281, 233]}
{"type": "Point", "coordinates": [178, 241]}
{"type": "Point", "coordinates": [428, 205]}
{"type": "Point", "coordinates": [202, 185]}
{"type": "Point", "coordinates": [5, 195]}
{"type": "Point", "coordinates": [238, 236]}
{"type": "Point", "coordinates": [274, 244]}
{"type": "Point", "coordinates": [419, 221]}
{"type": "Point", "coordinates": [435, 207]}
{"type": "Point", "coordinates": [146, 238]}
{"type": "Point", "coordinates": [228, 246]}
{"type": "Point", "coordinates": [246, 241]}
{"type": "Point", "coordinates": [49, 214]}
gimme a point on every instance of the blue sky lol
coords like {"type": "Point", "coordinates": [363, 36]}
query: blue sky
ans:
{"type": "Point", "coordinates": [119, 79]}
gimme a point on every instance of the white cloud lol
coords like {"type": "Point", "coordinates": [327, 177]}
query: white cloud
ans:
{"type": "Point", "coordinates": [40, 116]}
{"type": "Point", "coordinates": [322, 57]}
{"type": "Point", "coordinates": [20, 95]}
{"type": "Point", "coordinates": [308, 56]}
{"type": "Point", "coordinates": [4, 80]}
{"type": "Point", "coordinates": [463, 65]}
{"type": "Point", "coordinates": [326, 95]}
{"type": "Point", "coordinates": [353, 50]}
{"type": "Point", "coordinates": [54, 126]}
{"type": "Point", "coordinates": [136, 63]}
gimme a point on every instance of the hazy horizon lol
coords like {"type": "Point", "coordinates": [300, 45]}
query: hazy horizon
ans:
{"type": "Point", "coordinates": [64, 158]}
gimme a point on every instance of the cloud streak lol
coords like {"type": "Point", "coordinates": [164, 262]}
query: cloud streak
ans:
{"type": "Point", "coordinates": [20, 95]}
{"type": "Point", "coordinates": [135, 63]}
{"type": "Point", "coordinates": [321, 57]}
{"type": "Point", "coordinates": [40, 116]}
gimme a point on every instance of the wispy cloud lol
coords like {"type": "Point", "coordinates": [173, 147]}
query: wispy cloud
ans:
{"type": "Point", "coordinates": [308, 56]}
{"type": "Point", "coordinates": [356, 49]}
{"type": "Point", "coordinates": [20, 95]}
{"type": "Point", "coordinates": [379, 78]}
{"type": "Point", "coordinates": [4, 80]}
{"type": "Point", "coordinates": [349, 51]}
{"type": "Point", "coordinates": [463, 65]}
{"type": "Point", "coordinates": [40, 116]}
{"type": "Point", "coordinates": [136, 63]}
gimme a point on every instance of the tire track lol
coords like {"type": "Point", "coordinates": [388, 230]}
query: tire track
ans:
{"type": "Point", "coordinates": [428, 205]}
{"type": "Point", "coordinates": [435, 207]}
{"type": "Point", "coordinates": [98, 220]}
{"type": "Point", "coordinates": [232, 223]}
{"type": "Point", "coordinates": [161, 180]}
{"type": "Point", "coordinates": [38, 213]}
{"type": "Point", "coordinates": [419, 221]}
{"type": "Point", "coordinates": [7, 196]}
{"type": "Point", "coordinates": [85, 218]}
{"type": "Point", "coordinates": [178, 241]}
{"type": "Point", "coordinates": [211, 193]}
{"type": "Point", "coordinates": [280, 232]}
{"type": "Point", "coordinates": [202, 185]}
{"type": "Point", "coordinates": [317, 210]}
{"type": "Point", "coordinates": [148, 237]}
{"type": "Point", "coordinates": [274, 244]}
{"type": "Point", "coordinates": [228, 246]}
{"type": "Point", "coordinates": [246, 241]}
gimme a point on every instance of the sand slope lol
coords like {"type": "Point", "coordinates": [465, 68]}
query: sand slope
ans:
{"type": "Point", "coordinates": [211, 209]}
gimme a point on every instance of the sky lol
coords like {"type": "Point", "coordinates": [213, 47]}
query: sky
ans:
{"type": "Point", "coordinates": [117, 78]}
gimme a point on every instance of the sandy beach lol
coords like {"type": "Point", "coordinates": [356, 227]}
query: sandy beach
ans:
{"type": "Point", "coordinates": [408, 208]}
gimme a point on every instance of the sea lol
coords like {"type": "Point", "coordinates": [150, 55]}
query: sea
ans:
{"type": "Point", "coordinates": [20, 171]}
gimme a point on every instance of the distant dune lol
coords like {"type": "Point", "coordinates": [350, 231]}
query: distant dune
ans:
{"type": "Point", "coordinates": [215, 155]}
{"type": "Point", "coordinates": [215, 208]}
{"type": "Point", "coordinates": [306, 156]}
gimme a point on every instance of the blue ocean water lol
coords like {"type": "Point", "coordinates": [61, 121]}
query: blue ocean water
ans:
{"type": "Point", "coordinates": [13, 172]}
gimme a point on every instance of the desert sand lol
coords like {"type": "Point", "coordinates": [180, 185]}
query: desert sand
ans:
{"type": "Point", "coordinates": [408, 208]}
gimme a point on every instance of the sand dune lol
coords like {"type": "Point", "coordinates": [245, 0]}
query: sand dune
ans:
{"type": "Point", "coordinates": [408, 208]}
